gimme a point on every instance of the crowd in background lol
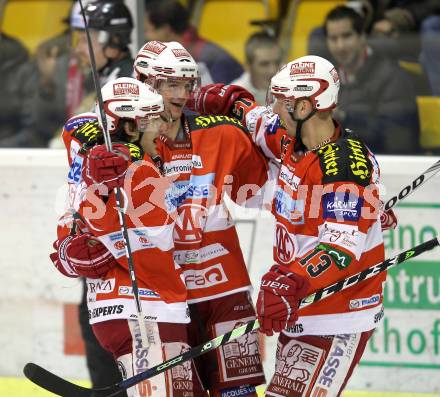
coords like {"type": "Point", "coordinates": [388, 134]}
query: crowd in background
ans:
{"type": "Point", "coordinates": [371, 42]}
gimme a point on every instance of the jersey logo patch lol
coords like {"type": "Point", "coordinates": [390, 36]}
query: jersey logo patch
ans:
{"type": "Point", "coordinates": [342, 206]}
{"type": "Point", "coordinates": [296, 366]}
{"type": "Point", "coordinates": [199, 122]}
{"type": "Point", "coordinates": [345, 160]}
{"type": "Point", "coordinates": [76, 122]}
{"type": "Point", "coordinates": [288, 208]}
{"type": "Point", "coordinates": [88, 132]}
{"type": "Point", "coordinates": [285, 246]}
{"type": "Point", "coordinates": [190, 224]}
{"type": "Point", "coordinates": [342, 260]}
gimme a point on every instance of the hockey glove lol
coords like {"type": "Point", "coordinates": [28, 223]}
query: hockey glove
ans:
{"type": "Point", "coordinates": [82, 255]}
{"type": "Point", "coordinates": [278, 299]}
{"type": "Point", "coordinates": [59, 257]}
{"type": "Point", "coordinates": [388, 219]}
{"type": "Point", "coordinates": [217, 98]}
{"type": "Point", "coordinates": [107, 167]}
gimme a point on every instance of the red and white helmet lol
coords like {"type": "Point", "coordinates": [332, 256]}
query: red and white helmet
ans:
{"type": "Point", "coordinates": [129, 99]}
{"type": "Point", "coordinates": [311, 77]}
{"type": "Point", "coordinates": [158, 61]}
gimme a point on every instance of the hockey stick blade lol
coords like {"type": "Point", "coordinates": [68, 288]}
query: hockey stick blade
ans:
{"type": "Point", "coordinates": [62, 387]}
{"type": "Point", "coordinates": [59, 386]}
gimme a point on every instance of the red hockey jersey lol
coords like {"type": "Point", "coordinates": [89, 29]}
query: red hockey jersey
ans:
{"type": "Point", "coordinates": [216, 157]}
{"type": "Point", "coordinates": [327, 224]}
{"type": "Point", "coordinates": [150, 229]}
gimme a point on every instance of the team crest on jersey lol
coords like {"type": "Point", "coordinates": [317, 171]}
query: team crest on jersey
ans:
{"type": "Point", "coordinates": [285, 245]}
{"type": "Point", "coordinates": [190, 224]}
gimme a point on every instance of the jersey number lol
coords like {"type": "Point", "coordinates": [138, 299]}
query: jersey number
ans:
{"type": "Point", "coordinates": [317, 262]}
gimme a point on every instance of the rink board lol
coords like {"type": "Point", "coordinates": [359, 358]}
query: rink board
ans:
{"type": "Point", "coordinates": [403, 355]}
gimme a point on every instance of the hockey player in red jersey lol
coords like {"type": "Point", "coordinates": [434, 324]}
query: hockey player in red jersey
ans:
{"type": "Point", "coordinates": [208, 157]}
{"type": "Point", "coordinates": [134, 113]}
{"type": "Point", "coordinates": [327, 227]}
{"type": "Point", "coordinates": [201, 155]}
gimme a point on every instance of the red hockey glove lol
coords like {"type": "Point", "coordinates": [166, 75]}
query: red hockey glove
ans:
{"type": "Point", "coordinates": [83, 255]}
{"type": "Point", "coordinates": [388, 219]}
{"type": "Point", "coordinates": [278, 299]}
{"type": "Point", "coordinates": [59, 257]}
{"type": "Point", "coordinates": [107, 167]}
{"type": "Point", "coordinates": [217, 98]}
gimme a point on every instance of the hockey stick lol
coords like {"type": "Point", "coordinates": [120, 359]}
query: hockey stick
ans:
{"type": "Point", "coordinates": [62, 387]}
{"type": "Point", "coordinates": [415, 184]}
{"type": "Point", "coordinates": [118, 191]}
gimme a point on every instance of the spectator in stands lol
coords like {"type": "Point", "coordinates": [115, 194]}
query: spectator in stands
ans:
{"type": "Point", "coordinates": [263, 59]}
{"type": "Point", "coordinates": [59, 83]}
{"type": "Point", "coordinates": [168, 20]}
{"type": "Point", "coordinates": [399, 16]}
{"type": "Point", "coordinates": [417, 20]}
{"type": "Point", "coordinates": [375, 99]}
{"type": "Point", "coordinates": [430, 55]}
{"type": "Point", "coordinates": [13, 55]}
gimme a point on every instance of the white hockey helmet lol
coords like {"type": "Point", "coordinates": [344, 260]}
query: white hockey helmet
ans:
{"type": "Point", "coordinates": [158, 61]}
{"type": "Point", "coordinates": [311, 77]}
{"type": "Point", "coordinates": [129, 99]}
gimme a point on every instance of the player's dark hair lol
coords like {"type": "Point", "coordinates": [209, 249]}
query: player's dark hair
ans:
{"type": "Point", "coordinates": [343, 12]}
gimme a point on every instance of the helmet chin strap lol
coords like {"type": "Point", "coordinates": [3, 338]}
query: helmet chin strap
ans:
{"type": "Point", "coordinates": [299, 144]}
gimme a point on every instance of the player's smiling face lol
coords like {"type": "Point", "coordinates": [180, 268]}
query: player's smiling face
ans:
{"type": "Point", "coordinates": [175, 93]}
